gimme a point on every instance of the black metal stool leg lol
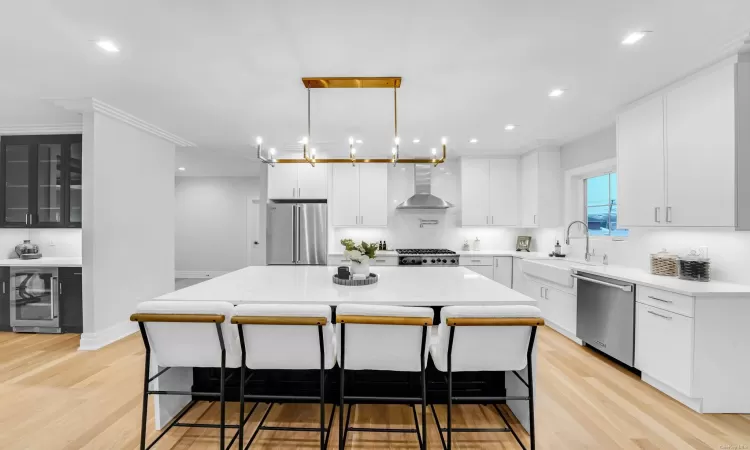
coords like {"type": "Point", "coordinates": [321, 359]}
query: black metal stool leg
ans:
{"type": "Point", "coordinates": [342, 436]}
{"type": "Point", "coordinates": [144, 416]}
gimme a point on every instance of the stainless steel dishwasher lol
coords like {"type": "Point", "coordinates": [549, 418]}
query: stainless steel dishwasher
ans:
{"type": "Point", "coordinates": [606, 315]}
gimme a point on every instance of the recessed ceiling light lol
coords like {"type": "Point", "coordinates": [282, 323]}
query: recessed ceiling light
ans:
{"type": "Point", "coordinates": [358, 141]}
{"type": "Point", "coordinates": [556, 92]}
{"type": "Point", "coordinates": [473, 140]}
{"type": "Point", "coordinates": [107, 46]}
{"type": "Point", "coordinates": [416, 141]}
{"type": "Point", "coordinates": [510, 127]}
{"type": "Point", "coordinates": [181, 169]}
{"type": "Point", "coordinates": [634, 37]}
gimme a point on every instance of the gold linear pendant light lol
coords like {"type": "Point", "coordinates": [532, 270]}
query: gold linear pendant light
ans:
{"type": "Point", "coordinates": [348, 83]}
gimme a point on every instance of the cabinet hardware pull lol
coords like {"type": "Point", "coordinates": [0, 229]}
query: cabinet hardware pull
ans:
{"type": "Point", "coordinates": [660, 315]}
{"type": "Point", "coordinates": [60, 287]}
{"type": "Point", "coordinates": [294, 192]}
{"type": "Point", "coordinates": [546, 294]}
{"type": "Point", "coordinates": [495, 263]}
{"type": "Point", "coordinates": [362, 220]}
{"type": "Point", "coordinates": [535, 218]}
{"type": "Point", "coordinates": [493, 220]}
{"type": "Point", "coordinates": [53, 299]}
{"type": "Point", "coordinates": [299, 192]}
{"type": "Point", "coordinates": [487, 220]}
{"type": "Point", "coordinates": [661, 300]}
{"type": "Point", "coordinates": [356, 220]}
{"type": "Point", "coordinates": [656, 214]}
{"type": "Point", "coordinates": [669, 214]}
{"type": "Point", "coordinates": [476, 260]}
{"type": "Point", "coordinates": [541, 292]}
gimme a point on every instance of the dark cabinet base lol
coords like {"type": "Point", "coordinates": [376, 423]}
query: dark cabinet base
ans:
{"type": "Point", "coordinates": [71, 300]}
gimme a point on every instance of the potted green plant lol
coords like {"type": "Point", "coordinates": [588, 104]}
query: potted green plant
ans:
{"type": "Point", "coordinates": [360, 255]}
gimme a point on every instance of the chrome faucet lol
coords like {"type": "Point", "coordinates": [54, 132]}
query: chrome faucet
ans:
{"type": "Point", "coordinates": [567, 237]}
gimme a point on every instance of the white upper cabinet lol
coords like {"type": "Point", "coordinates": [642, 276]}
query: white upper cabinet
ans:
{"type": "Point", "coordinates": [312, 182]}
{"type": "Point", "coordinates": [345, 196]}
{"type": "Point", "coordinates": [640, 165]}
{"type": "Point", "coordinates": [373, 195]}
{"type": "Point", "coordinates": [504, 192]}
{"type": "Point", "coordinates": [678, 154]}
{"type": "Point", "coordinates": [700, 151]}
{"type": "Point", "coordinates": [541, 189]}
{"type": "Point", "coordinates": [489, 192]}
{"type": "Point", "coordinates": [360, 195]}
{"type": "Point", "coordinates": [297, 181]}
{"type": "Point", "coordinates": [475, 192]}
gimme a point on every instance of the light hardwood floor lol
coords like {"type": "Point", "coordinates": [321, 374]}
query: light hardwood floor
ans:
{"type": "Point", "coordinates": [53, 397]}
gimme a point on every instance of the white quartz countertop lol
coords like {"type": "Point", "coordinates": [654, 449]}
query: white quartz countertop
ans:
{"type": "Point", "coordinates": [673, 284]}
{"type": "Point", "coordinates": [378, 253]}
{"type": "Point", "coordinates": [44, 261]}
{"type": "Point", "coordinates": [408, 286]}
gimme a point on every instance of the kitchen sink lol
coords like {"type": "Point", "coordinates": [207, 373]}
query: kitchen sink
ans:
{"type": "Point", "coordinates": [555, 271]}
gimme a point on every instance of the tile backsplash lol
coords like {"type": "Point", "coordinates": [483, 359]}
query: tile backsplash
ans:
{"type": "Point", "coordinates": [51, 242]}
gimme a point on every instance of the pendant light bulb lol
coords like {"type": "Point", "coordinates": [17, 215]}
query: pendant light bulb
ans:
{"type": "Point", "coordinates": [304, 140]}
{"type": "Point", "coordinates": [351, 140]}
{"type": "Point", "coordinates": [272, 151]}
{"type": "Point", "coordinates": [434, 151]}
{"type": "Point", "coordinates": [393, 151]}
{"type": "Point", "coordinates": [444, 141]}
{"type": "Point", "coordinates": [397, 140]}
{"type": "Point", "coordinates": [259, 140]}
{"type": "Point", "coordinates": [312, 152]}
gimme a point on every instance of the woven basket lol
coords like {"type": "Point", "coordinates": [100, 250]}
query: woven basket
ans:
{"type": "Point", "coordinates": [664, 264]}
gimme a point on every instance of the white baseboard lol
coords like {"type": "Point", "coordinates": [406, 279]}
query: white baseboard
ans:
{"type": "Point", "coordinates": [696, 404]}
{"type": "Point", "coordinates": [199, 273]}
{"type": "Point", "coordinates": [95, 341]}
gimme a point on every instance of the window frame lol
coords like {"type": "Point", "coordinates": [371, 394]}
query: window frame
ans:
{"type": "Point", "coordinates": [584, 180]}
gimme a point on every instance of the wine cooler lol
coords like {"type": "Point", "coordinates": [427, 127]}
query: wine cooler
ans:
{"type": "Point", "coordinates": [34, 299]}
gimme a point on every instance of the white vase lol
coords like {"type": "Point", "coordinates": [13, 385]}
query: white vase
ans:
{"type": "Point", "coordinates": [361, 267]}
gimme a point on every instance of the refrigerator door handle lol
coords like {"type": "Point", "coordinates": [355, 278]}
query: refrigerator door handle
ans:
{"type": "Point", "coordinates": [299, 234]}
{"type": "Point", "coordinates": [295, 227]}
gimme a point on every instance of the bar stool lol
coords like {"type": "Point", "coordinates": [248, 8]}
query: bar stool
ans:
{"type": "Point", "coordinates": [491, 338]}
{"type": "Point", "coordinates": [374, 337]}
{"type": "Point", "coordinates": [286, 337]}
{"type": "Point", "coordinates": [187, 334]}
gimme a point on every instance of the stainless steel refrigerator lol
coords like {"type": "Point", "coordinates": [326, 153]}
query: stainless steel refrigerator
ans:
{"type": "Point", "coordinates": [297, 233]}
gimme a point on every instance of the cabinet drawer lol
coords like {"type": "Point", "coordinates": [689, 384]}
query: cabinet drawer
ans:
{"type": "Point", "coordinates": [475, 260]}
{"type": "Point", "coordinates": [664, 346]}
{"type": "Point", "coordinates": [385, 261]}
{"type": "Point", "coordinates": [681, 304]}
{"type": "Point", "coordinates": [338, 260]}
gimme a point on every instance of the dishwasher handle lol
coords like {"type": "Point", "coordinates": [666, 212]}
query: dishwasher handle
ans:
{"type": "Point", "coordinates": [626, 288]}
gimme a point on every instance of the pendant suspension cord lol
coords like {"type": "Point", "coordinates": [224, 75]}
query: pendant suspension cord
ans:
{"type": "Point", "coordinates": [308, 114]}
{"type": "Point", "coordinates": [395, 125]}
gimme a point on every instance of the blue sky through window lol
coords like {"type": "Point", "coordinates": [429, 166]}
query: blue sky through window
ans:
{"type": "Point", "coordinates": [601, 205]}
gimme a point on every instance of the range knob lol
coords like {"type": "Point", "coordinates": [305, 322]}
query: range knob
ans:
{"type": "Point", "coordinates": [453, 261]}
{"type": "Point", "coordinates": [424, 261]}
{"type": "Point", "coordinates": [433, 261]}
{"type": "Point", "coordinates": [445, 261]}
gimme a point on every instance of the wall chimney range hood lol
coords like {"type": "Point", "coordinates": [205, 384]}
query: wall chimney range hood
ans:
{"type": "Point", "coordinates": [423, 198]}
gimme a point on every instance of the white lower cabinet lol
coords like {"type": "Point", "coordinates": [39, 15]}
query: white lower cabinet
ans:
{"type": "Point", "coordinates": [664, 346]}
{"type": "Point", "coordinates": [558, 308]}
{"type": "Point", "coordinates": [502, 271]}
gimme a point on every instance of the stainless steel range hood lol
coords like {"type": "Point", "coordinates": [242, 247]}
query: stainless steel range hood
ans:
{"type": "Point", "coordinates": [423, 198]}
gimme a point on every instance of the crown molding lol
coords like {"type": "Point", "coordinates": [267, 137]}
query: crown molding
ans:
{"type": "Point", "coordinates": [91, 104]}
{"type": "Point", "coordinates": [63, 128]}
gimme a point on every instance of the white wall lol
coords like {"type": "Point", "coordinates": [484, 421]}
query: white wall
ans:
{"type": "Point", "coordinates": [403, 225]}
{"type": "Point", "coordinates": [51, 242]}
{"type": "Point", "coordinates": [128, 224]}
{"type": "Point", "coordinates": [729, 250]}
{"type": "Point", "coordinates": [589, 149]}
{"type": "Point", "coordinates": [212, 224]}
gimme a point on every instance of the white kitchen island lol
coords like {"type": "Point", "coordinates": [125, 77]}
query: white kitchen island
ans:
{"type": "Point", "coordinates": [406, 286]}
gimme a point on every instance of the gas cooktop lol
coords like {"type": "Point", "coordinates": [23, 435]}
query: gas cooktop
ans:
{"type": "Point", "coordinates": [426, 257]}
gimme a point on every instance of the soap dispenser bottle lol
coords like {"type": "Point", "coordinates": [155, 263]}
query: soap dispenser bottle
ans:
{"type": "Point", "coordinates": [476, 244]}
{"type": "Point", "coordinates": [558, 249]}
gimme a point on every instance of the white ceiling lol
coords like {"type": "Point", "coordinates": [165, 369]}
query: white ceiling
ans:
{"type": "Point", "coordinates": [219, 73]}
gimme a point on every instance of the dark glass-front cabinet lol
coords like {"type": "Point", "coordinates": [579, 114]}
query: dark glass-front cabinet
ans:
{"type": "Point", "coordinates": [41, 181]}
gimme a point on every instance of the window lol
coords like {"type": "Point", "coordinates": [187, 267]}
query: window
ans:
{"type": "Point", "coordinates": [601, 205]}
